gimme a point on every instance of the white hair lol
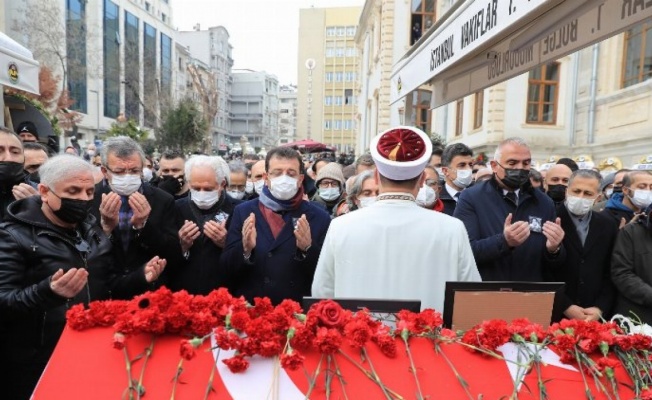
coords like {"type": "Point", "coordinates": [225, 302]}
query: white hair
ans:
{"type": "Point", "coordinates": [62, 167]}
{"type": "Point", "coordinates": [356, 187]}
{"type": "Point", "coordinates": [121, 147]}
{"type": "Point", "coordinates": [516, 141]}
{"type": "Point", "coordinates": [217, 163]}
{"type": "Point", "coordinates": [238, 167]}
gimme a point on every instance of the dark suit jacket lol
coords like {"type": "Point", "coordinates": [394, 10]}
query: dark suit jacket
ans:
{"type": "Point", "coordinates": [158, 238]}
{"type": "Point", "coordinates": [587, 269]}
{"type": "Point", "coordinates": [201, 272]}
{"type": "Point", "coordinates": [449, 202]}
{"type": "Point", "coordinates": [276, 268]}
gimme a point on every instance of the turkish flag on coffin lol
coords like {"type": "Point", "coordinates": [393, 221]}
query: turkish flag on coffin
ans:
{"type": "Point", "coordinates": [85, 365]}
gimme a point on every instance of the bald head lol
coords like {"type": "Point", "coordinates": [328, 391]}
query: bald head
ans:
{"type": "Point", "coordinates": [558, 174]}
{"type": "Point", "coordinates": [257, 170]}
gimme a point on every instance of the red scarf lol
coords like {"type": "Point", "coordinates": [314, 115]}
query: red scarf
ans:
{"type": "Point", "coordinates": [274, 220]}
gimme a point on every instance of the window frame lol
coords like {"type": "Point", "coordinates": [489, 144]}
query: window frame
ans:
{"type": "Point", "coordinates": [478, 109]}
{"type": "Point", "coordinates": [542, 83]}
{"type": "Point", "coordinates": [459, 117]}
{"type": "Point", "coordinates": [646, 26]}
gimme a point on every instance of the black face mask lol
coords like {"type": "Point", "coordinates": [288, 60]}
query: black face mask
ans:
{"type": "Point", "coordinates": [72, 211]}
{"type": "Point", "coordinates": [11, 171]}
{"type": "Point", "coordinates": [557, 193]}
{"type": "Point", "coordinates": [515, 178]}
{"type": "Point", "coordinates": [170, 184]}
{"type": "Point", "coordinates": [618, 189]}
{"type": "Point", "coordinates": [35, 177]}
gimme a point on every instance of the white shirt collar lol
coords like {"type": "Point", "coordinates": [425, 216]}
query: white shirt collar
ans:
{"type": "Point", "coordinates": [451, 191]}
{"type": "Point", "coordinates": [505, 191]}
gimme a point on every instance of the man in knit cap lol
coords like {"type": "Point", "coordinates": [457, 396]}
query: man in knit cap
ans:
{"type": "Point", "coordinates": [390, 249]}
{"type": "Point", "coordinates": [330, 186]}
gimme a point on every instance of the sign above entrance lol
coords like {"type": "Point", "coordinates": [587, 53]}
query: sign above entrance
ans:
{"type": "Point", "coordinates": [554, 35]}
{"type": "Point", "coordinates": [471, 26]}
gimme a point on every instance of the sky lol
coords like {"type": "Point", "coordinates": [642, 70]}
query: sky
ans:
{"type": "Point", "coordinates": [264, 33]}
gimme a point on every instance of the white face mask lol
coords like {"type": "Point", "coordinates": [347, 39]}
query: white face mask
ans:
{"type": "Point", "coordinates": [464, 178]}
{"type": "Point", "coordinates": [236, 194]}
{"type": "Point", "coordinates": [249, 187]}
{"type": "Point", "coordinates": [329, 194]}
{"type": "Point", "coordinates": [609, 192]}
{"type": "Point", "coordinates": [147, 174]}
{"type": "Point", "coordinates": [642, 198]}
{"type": "Point", "coordinates": [426, 196]}
{"type": "Point", "coordinates": [258, 186]}
{"type": "Point", "coordinates": [578, 205]}
{"type": "Point", "coordinates": [284, 187]}
{"type": "Point", "coordinates": [366, 201]}
{"type": "Point", "coordinates": [125, 185]}
{"type": "Point", "coordinates": [90, 153]}
{"type": "Point", "coordinates": [440, 172]}
{"type": "Point", "coordinates": [204, 199]}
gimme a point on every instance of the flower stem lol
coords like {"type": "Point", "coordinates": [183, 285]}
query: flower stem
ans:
{"type": "Point", "coordinates": [176, 378]}
{"type": "Point", "coordinates": [148, 353]}
{"type": "Point", "coordinates": [460, 379]}
{"type": "Point", "coordinates": [372, 377]}
{"type": "Point", "coordinates": [313, 380]}
{"type": "Point", "coordinates": [329, 376]}
{"type": "Point", "coordinates": [413, 368]}
{"type": "Point", "coordinates": [587, 391]}
{"type": "Point", "coordinates": [373, 371]}
{"type": "Point", "coordinates": [338, 373]}
{"type": "Point", "coordinates": [130, 385]}
{"type": "Point", "coordinates": [209, 386]}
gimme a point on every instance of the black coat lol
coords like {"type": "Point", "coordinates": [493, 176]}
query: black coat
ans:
{"type": "Point", "coordinates": [275, 269]}
{"type": "Point", "coordinates": [201, 271]}
{"type": "Point", "coordinates": [631, 271]}
{"type": "Point", "coordinates": [587, 269]}
{"type": "Point", "coordinates": [32, 316]}
{"type": "Point", "coordinates": [7, 196]}
{"type": "Point", "coordinates": [159, 237]}
{"type": "Point", "coordinates": [449, 202]}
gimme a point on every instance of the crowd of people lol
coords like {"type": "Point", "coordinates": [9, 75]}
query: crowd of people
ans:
{"type": "Point", "coordinates": [397, 223]}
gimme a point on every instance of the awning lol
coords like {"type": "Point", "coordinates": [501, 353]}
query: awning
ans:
{"type": "Point", "coordinates": [485, 42]}
{"type": "Point", "coordinates": [18, 70]}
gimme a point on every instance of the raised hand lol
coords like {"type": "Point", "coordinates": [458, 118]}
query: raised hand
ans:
{"type": "Point", "coordinates": [110, 211]}
{"type": "Point", "coordinates": [249, 234]}
{"type": "Point", "coordinates": [154, 268]}
{"type": "Point", "coordinates": [302, 233]}
{"type": "Point", "coordinates": [140, 208]}
{"type": "Point", "coordinates": [70, 283]}
{"type": "Point", "coordinates": [517, 233]}
{"type": "Point", "coordinates": [216, 232]}
{"type": "Point", "coordinates": [554, 235]}
{"type": "Point", "coordinates": [187, 235]}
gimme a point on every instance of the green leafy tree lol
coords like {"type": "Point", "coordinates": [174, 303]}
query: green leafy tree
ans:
{"type": "Point", "coordinates": [184, 127]}
{"type": "Point", "coordinates": [129, 128]}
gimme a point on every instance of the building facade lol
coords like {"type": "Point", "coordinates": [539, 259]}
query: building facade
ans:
{"type": "Point", "coordinates": [255, 109]}
{"type": "Point", "coordinates": [287, 114]}
{"type": "Point", "coordinates": [115, 56]}
{"type": "Point", "coordinates": [212, 48]}
{"type": "Point", "coordinates": [328, 68]}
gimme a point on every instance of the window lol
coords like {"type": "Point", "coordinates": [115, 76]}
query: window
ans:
{"type": "Point", "coordinates": [350, 31]}
{"type": "Point", "coordinates": [349, 76]}
{"type": "Point", "coordinates": [340, 51]}
{"type": "Point", "coordinates": [329, 76]}
{"type": "Point", "coordinates": [111, 59]}
{"type": "Point", "coordinates": [542, 94]}
{"type": "Point", "coordinates": [478, 109]}
{"type": "Point", "coordinates": [149, 74]}
{"type": "Point", "coordinates": [637, 60]}
{"type": "Point", "coordinates": [164, 17]}
{"type": "Point", "coordinates": [337, 125]}
{"type": "Point", "coordinates": [148, 7]}
{"type": "Point", "coordinates": [327, 125]}
{"type": "Point", "coordinates": [76, 50]}
{"type": "Point", "coordinates": [348, 96]}
{"type": "Point", "coordinates": [338, 100]}
{"type": "Point", "coordinates": [459, 117]}
{"type": "Point", "coordinates": [132, 67]}
{"type": "Point", "coordinates": [331, 31]}
{"type": "Point", "coordinates": [350, 52]}
{"type": "Point", "coordinates": [339, 76]}
{"type": "Point", "coordinates": [347, 124]}
{"type": "Point", "coordinates": [423, 16]}
{"type": "Point", "coordinates": [330, 50]}
{"type": "Point", "coordinates": [421, 109]}
{"type": "Point", "coordinates": [328, 100]}
{"type": "Point", "coordinates": [166, 64]}
{"type": "Point", "coordinates": [341, 31]}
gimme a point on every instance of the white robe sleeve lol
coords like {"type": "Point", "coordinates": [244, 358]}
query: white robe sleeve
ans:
{"type": "Point", "coordinates": [323, 283]}
{"type": "Point", "coordinates": [467, 269]}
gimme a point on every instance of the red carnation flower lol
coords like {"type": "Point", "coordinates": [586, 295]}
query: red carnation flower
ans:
{"type": "Point", "coordinates": [358, 332]}
{"type": "Point", "coordinates": [119, 341]}
{"type": "Point", "coordinates": [328, 341]}
{"type": "Point", "coordinates": [237, 364]}
{"type": "Point", "coordinates": [187, 350]}
{"type": "Point", "coordinates": [303, 339]}
{"type": "Point", "coordinates": [292, 360]}
{"type": "Point", "coordinates": [386, 344]}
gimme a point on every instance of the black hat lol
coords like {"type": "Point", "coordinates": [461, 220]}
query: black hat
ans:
{"type": "Point", "coordinates": [27, 126]}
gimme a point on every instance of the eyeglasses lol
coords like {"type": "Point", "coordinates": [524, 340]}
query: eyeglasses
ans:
{"type": "Point", "coordinates": [132, 171]}
{"type": "Point", "coordinates": [326, 184]}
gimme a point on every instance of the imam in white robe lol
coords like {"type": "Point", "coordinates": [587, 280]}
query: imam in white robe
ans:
{"type": "Point", "coordinates": [396, 250]}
